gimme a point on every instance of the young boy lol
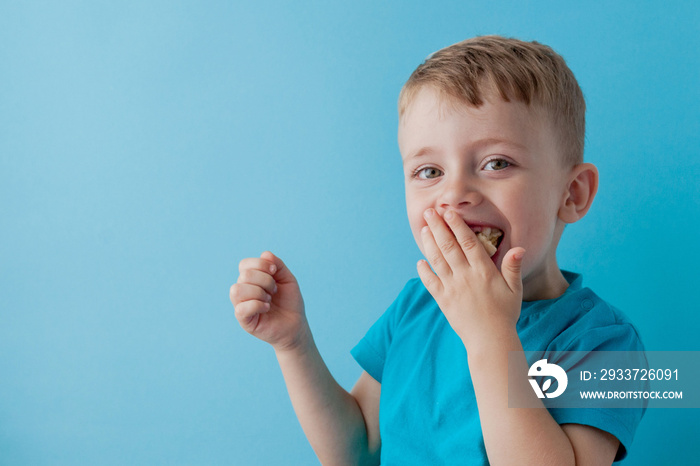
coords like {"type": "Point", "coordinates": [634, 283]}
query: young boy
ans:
{"type": "Point", "coordinates": [491, 135]}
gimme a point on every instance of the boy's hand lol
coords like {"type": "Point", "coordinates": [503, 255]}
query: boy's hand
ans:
{"type": "Point", "coordinates": [475, 297]}
{"type": "Point", "coordinates": [268, 302]}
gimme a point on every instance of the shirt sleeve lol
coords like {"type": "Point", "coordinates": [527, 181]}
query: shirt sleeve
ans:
{"type": "Point", "coordinates": [371, 351]}
{"type": "Point", "coordinates": [620, 422]}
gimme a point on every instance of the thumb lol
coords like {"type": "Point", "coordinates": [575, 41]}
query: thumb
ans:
{"type": "Point", "coordinates": [282, 274]}
{"type": "Point", "coordinates": [511, 269]}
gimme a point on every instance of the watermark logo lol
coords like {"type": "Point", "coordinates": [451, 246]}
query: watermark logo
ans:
{"type": "Point", "coordinates": [543, 369]}
{"type": "Point", "coordinates": [604, 379]}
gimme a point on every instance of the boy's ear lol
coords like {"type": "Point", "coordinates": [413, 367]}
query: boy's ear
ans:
{"type": "Point", "coordinates": [582, 188]}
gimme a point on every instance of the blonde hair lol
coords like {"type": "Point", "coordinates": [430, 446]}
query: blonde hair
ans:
{"type": "Point", "coordinates": [528, 72]}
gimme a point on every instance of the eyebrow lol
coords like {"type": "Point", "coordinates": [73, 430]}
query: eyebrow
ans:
{"type": "Point", "coordinates": [423, 151]}
{"type": "Point", "coordinates": [428, 150]}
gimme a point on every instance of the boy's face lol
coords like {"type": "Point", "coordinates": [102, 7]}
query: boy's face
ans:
{"type": "Point", "coordinates": [497, 166]}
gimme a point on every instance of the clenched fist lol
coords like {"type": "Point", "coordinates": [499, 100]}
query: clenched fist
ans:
{"type": "Point", "coordinates": [268, 302]}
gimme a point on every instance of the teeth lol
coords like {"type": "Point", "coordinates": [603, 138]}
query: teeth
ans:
{"type": "Point", "coordinates": [489, 239]}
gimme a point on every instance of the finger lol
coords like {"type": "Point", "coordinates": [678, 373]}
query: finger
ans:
{"type": "Point", "coordinates": [433, 253]}
{"type": "Point", "coordinates": [248, 312]}
{"type": "Point", "coordinates": [469, 244]}
{"type": "Point", "coordinates": [431, 281]}
{"type": "Point", "coordinates": [241, 292]}
{"type": "Point", "coordinates": [262, 279]}
{"type": "Point", "coordinates": [257, 263]}
{"type": "Point", "coordinates": [445, 240]}
{"type": "Point", "coordinates": [511, 269]}
{"type": "Point", "coordinates": [282, 274]}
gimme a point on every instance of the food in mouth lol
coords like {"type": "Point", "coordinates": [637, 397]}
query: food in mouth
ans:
{"type": "Point", "coordinates": [489, 238]}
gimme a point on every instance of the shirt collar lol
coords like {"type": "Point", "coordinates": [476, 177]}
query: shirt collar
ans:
{"type": "Point", "coordinates": [575, 281]}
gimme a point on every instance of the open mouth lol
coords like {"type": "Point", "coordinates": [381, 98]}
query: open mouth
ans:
{"type": "Point", "coordinates": [490, 238]}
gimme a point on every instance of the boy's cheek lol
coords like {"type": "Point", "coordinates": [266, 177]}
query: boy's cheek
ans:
{"type": "Point", "coordinates": [419, 242]}
{"type": "Point", "coordinates": [418, 237]}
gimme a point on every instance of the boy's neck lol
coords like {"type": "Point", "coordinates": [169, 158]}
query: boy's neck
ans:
{"type": "Point", "coordinates": [546, 284]}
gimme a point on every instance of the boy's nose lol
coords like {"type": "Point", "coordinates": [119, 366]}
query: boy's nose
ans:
{"type": "Point", "coordinates": [458, 193]}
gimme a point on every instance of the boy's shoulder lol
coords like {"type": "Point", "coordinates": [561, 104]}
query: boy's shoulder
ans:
{"type": "Point", "coordinates": [579, 320]}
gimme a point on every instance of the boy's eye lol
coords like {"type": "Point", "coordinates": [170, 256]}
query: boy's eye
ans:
{"type": "Point", "coordinates": [427, 173]}
{"type": "Point", "coordinates": [496, 164]}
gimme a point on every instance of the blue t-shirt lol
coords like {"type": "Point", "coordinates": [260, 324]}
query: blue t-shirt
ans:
{"type": "Point", "coordinates": [428, 412]}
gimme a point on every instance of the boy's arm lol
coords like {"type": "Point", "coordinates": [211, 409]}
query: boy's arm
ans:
{"type": "Point", "coordinates": [483, 305]}
{"type": "Point", "coordinates": [527, 435]}
{"type": "Point", "coordinates": [342, 428]}
{"type": "Point", "coordinates": [587, 439]}
{"type": "Point", "coordinates": [367, 392]}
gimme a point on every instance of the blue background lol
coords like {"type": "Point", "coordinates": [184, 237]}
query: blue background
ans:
{"type": "Point", "coordinates": [147, 146]}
